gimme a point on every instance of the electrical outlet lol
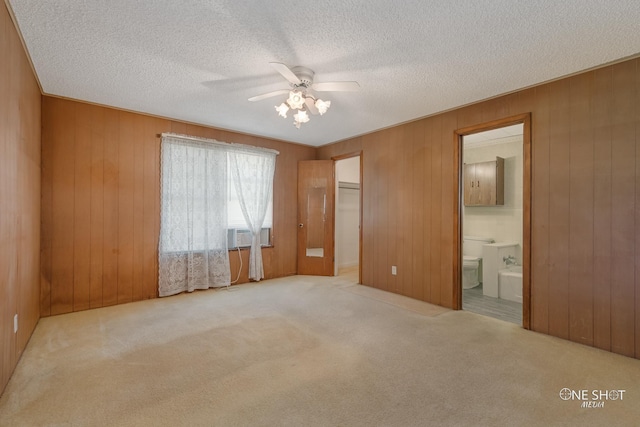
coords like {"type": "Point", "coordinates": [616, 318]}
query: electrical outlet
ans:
{"type": "Point", "coordinates": [394, 270]}
{"type": "Point", "coordinates": [15, 324]}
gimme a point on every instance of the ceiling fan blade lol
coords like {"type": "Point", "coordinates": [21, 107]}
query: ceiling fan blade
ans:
{"type": "Point", "coordinates": [268, 95]}
{"type": "Point", "coordinates": [286, 72]}
{"type": "Point", "coordinates": [336, 87]}
{"type": "Point", "coordinates": [311, 105]}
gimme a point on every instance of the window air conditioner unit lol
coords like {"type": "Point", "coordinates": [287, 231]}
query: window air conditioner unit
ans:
{"type": "Point", "coordinates": [243, 238]}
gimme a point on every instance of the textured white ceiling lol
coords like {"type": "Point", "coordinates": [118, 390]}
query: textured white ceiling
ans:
{"type": "Point", "coordinates": [199, 60]}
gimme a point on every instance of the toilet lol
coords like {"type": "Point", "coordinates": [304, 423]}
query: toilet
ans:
{"type": "Point", "coordinates": [472, 260]}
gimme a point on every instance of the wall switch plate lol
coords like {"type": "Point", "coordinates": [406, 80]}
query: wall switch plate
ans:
{"type": "Point", "coordinates": [15, 323]}
{"type": "Point", "coordinates": [394, 270]}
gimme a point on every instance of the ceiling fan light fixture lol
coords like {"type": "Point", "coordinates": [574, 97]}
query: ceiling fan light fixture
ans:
{"type": "Point", "coordinates": [301, 93]}
{"type": "Point", "coordinates": [282, 110]}
{"type": "Point", "coordinates": [322, 106]}
{"type": "Point", "coordinates": [296, 99]}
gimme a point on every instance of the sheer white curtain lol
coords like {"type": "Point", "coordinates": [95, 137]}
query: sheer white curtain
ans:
{"type": "Point", "coordinates": [252, 173]}
{"type": "Point", "coordinates": [193, 250]}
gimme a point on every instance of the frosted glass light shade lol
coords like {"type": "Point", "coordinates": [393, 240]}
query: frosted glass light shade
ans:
{"type": "Point", "coordinates": [296, 100]}
{"type": "Point", "coordinates": [282, 110]}
{"type": "Point", "coordinates": [301, 117]}
{"type": "Point", "coordinates": [322, 106]}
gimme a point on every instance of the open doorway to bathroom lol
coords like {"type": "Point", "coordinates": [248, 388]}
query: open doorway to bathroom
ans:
{"type": "Point", "coordinates": [493, 219]}
{"type": "Point", "coordinates": [348, 216]}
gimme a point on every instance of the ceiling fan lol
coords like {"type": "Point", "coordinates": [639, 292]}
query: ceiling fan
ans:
{"type": "Point", "coordinates": [301, 95]}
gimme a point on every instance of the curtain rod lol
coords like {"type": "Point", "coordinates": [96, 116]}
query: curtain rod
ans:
{"type": "Point", "coordinates": [216, 142]}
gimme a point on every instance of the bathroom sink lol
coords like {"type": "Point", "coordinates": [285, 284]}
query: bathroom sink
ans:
{"type": "Point", "coordinates": [514, 268]}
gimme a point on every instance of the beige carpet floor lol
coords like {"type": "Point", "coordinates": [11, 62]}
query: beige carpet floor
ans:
{"type": "Point", "coordinates": [306, 351]}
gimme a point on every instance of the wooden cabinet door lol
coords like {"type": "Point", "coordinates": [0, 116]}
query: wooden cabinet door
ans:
{"type": "Point", "coordinates": [486, 183]}
{"type": "Point", "coordinates": [469, 177]}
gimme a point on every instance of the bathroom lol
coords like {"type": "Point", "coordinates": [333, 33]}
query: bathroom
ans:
{"type": "Point", "coordinates": [492, 223]}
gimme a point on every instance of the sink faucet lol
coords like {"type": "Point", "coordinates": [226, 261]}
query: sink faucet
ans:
{"type": "Point", "coordinates": [509, 260]}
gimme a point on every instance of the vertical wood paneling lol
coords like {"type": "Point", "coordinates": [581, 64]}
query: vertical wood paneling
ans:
{"type": "Point", "coordinates": [8, 143]}
{"type": "Point", "coordinates": [602, 208]}
{"type": "Point", "coordinates": [393, 208]}
{"type": "Point", "coordinates": [46, 212]}
{"type": "Point", "coordinates": [28, 250]}
{"type": "Point", "coordinates": [559, 167]}
{"type": "Point", "coordinates": [369, 192]}
{"type": "Point", "coordinates": [581, 184]}
{"type": "Point", "coordinates": [404, 278]}
{"type": "Point", "coordinates": [150, 210]}
{"type": "Point", "coordinates": [497, 108]}
{"type": "Point", "coordinates": [82, 210]}
{"type": "Point", "coordinates": [63, 203]}
{"type": "Point", "coordinates": [540, 212]}
{"type": "Point", "coordinates": [623, 144]}
{"type": "Point", "coordinates": [415, 165]}
{"type": "Point", "coordinates": [103, 212]}
{"type": "Point", "coordinates": [423, 245]}
{"type": "Point", "coordinates": [97, 206]}
{"type": "Point", "coordinates": [126, 186]}
{"type": "Point", "coordinates": [470, 115]}
{"type": "Point", "coordinates": [110, 195]}
{"type": "Point", "coordinates": [138, 137]}
{"type": "Point", "coordinates": [448, 222]}
{"type": "Point", "coordinates": [287, 173]}
{"type": "Point", "coordinates": [637, 208]}
{"type": "Point", "coordinates": [279, 209]}
{"type": "Point", "coordinates": [381, 265]}
{"type": "Point", "coordinates": [235, 257]}
{"type": "Point", "coordinates": [585, 191]}
{"type": "Point", "coordinates": [20, 173]}
{"type": "Point", "coordinates": [421, 213]}
{"type": "Point", "coordinates": [522, 102]}
{"type": "Point", "coordinates": [435, 208]}
{"type": "Point", "coordinates": [179, 128]}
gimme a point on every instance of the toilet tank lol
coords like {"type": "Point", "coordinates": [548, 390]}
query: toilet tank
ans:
{"type": "Point", "coordinates": [472, 245]}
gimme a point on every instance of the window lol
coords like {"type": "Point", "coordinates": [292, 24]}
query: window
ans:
{"type": "Point", "coordinates": [212, 194]}
{"type": "Point", "coordinates": [197, 193]}
{"type": "Point", "coordinates": [238, 234]}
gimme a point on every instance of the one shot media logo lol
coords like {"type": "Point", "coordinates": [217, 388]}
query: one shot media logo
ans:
{"type": "Point", "coordinates": [591, 398]}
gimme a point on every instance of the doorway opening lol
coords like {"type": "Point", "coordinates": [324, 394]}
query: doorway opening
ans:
{"type": "Point", "coordinates": [494, 220]}
{"type": "Point", "coordinates": [348, 216]}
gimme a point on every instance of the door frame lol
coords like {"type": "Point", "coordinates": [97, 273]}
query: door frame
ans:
{"type": "Point", "coordinates": [525, 120]}
{"type": "Point", "coordinates": [335, 159]}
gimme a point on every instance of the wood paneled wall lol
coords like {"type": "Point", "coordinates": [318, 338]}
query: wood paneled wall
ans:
{"type": "Point", "coordinates": [100, 204]}
{"type": "Point", "coordinates": [19, 197]}
{"type": "Point", "coordinates": [585, 259]}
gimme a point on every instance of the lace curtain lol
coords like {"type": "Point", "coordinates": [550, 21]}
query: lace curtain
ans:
{"type": "Point", "coordinates": [252, 174]}
{"type": "Point", "coordinates": [193, 250]}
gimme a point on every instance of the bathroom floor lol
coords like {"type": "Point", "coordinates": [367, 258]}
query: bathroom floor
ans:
{"type": "Point", "coordinates": [473, 300]}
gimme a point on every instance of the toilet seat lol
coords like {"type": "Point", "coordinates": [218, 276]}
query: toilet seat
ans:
{"type": "Point", "coordinates": [470, 261]}
{"type": "Point", "coordinates": [470, 266]}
